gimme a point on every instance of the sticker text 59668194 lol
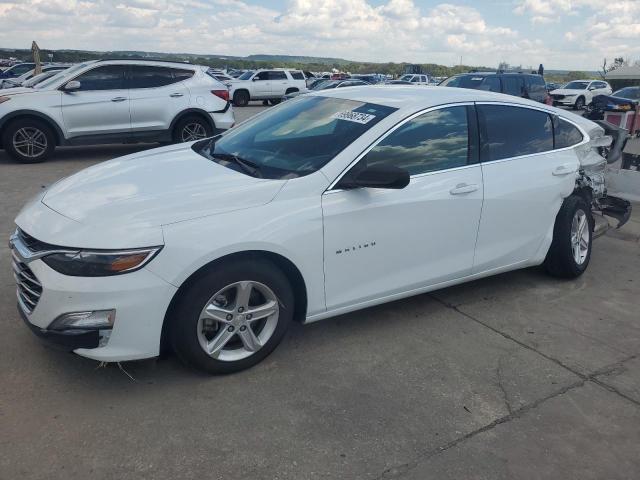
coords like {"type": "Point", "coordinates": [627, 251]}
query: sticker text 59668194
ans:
{"type": "Point", "coordinates": [356, 117]}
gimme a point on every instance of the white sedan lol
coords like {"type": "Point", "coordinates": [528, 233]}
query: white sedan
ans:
{"type": "Point", "coordinates": [331, 202]}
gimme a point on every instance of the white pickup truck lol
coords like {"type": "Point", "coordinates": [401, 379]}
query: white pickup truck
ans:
{"type": "Point", "coordinates": [269, 85]}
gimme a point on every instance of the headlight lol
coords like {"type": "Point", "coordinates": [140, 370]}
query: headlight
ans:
{"type": "Point", "coordinates": [84, 320]}
{"type": "Point", "coordinates": [100, 263]}
{"type": "Point", "coordinates": [4, 99]}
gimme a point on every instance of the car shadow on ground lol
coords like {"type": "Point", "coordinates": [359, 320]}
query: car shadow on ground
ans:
{"type": "Point", "coordinates": [301, 343]}
{"type": "Point", "coordinates": [96, 153]}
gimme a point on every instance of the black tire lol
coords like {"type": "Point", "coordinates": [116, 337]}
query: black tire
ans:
{"type": "Point", "coordinates": [275, 101]}
{"type": "Point", "coordinates": [31, 125]}
{"type": "Point", "coordinates": [241, 98]}
{"type": "Point", "coordinates": [193, 123]}
{"type": "Point", "coordinates": [579, 105]}
{"type": "Point", "coordinates": [184, 324]}
{"type": "Point", "coordinates": [560, 261]}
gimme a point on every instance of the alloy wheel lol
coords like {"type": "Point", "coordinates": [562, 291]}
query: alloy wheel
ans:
{"type": "Point", "coordinates": [30, 142]}
{"type": "Point", "coordinates": [580, 237]}
{"type": "Point", "coordinates": [238, 320]}
{"type": "Point", "coordinates": [193, 131]}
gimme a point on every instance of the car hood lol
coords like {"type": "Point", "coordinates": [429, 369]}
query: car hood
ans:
{"type": "Point", "coordinates": [567, 91]}
{"type": "Point", "coordinates": [15, 91]}
{"type": "Point", "coordinates": [156, 187]}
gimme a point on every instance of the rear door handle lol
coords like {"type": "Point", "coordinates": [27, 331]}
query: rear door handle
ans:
{"type": "Point", "coordinates": [118, 99]}
{"type": "Point", "coordinates": [177, 95]}
{"type": "Point", "coordinates": [563, 170]}
{"type": "Point", "coordinates": [463, 188]}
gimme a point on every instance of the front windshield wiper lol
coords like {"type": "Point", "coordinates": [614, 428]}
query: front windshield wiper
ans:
{"type": "Point", "coordinates": [247, 166]}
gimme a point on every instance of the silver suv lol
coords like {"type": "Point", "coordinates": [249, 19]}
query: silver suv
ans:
{"type": "Point", "coordinates": [113, 101]}
{"type": "Point", "coordinates": [267, 85]}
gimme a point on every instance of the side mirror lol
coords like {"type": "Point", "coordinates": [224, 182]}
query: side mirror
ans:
{"type": "Point", "coordinates": [255, 79]}
{"type": "Point", "coordinates": [72, 86]}
{"type": "Point", "coordinates": [375, 176]}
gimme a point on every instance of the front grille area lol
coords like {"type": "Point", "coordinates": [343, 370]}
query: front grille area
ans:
{"type": "Point", "coordinates": [29, 288]}
{"type": "Point", "coordinates": [557, 97]}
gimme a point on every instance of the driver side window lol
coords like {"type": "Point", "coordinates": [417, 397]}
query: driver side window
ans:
{"type": "Point", "coordinates": [109, 77]}
{"type": "Point", "coordinates": [437, 140]}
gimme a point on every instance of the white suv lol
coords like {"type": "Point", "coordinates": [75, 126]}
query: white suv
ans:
{"type": "Point", "coordinates": [266, 85]}
{"type": "Point", "coordinates": [113, 101]}
{"type": "Point", "coordinates": [579, 93]}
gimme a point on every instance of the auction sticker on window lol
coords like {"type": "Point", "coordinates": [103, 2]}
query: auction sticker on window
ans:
{"type": "Point", "coordinates": [356, 117]}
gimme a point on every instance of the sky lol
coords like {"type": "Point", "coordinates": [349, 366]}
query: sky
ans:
{"type": "Point", "coordinates": [561, 34]}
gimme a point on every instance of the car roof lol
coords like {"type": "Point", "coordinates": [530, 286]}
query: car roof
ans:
{"type": "Point", "coordinates": [407, 96]}
{"type": "Point", "coordinates": [412, 99]}
{"type": "Point", "coordinates": [139, 61]}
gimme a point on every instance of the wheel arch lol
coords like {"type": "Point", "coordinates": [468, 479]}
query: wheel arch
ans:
{"type": "Point", "coordinates": [24, 113]}
{"type": "Point", "coordinates": [291, 90]}
{"type": "Point", "coordinates": [291, 271]}
{"type": "Point", "coordinates": [196, 112]}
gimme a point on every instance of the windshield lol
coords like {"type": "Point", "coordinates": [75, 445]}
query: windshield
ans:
{"type": "Point", "coordinates": [69, 72]}
{"type": "Point", "coordinates": [576, 85]}
{"type": "Point", "coordinates": [463, 81]}
{"type": "Point", "coordinates": [40, 78]}
{"type": "Point", "coordinates": [295, 139]}
{"type": "Point", "coordinates": [246, 75]}
{"type": "Point", "coordinates": [632, 93]}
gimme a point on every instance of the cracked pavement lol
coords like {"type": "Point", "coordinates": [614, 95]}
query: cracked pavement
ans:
{"type": "Point", "coordinates": [515, 376]}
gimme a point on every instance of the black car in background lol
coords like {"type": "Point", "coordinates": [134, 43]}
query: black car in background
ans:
{"type": "Point", "coordinates": [525, 85]}
{"type": "Point", "coordinates": [622, 100]}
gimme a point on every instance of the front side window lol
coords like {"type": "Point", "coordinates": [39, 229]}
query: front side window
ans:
{"type": "Point", "coordinates": [261, 76]}
{"type": "Point", "coordinates": [566, 135]}
{"type": "Point", "coordinates": [507, 132]}
{"type": "Point", "coordinates": [150, 77]}
{"type": "Point", "coordinates": [296, 139]}
{"type": "Point", "coordinates": [433, 141]}
{"type": "Point", "coordinates": [109, 77]}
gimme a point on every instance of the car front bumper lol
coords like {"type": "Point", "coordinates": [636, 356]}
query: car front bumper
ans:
{"type": "Point", "coordinates": [140, 299]}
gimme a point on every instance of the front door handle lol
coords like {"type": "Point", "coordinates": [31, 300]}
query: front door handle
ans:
{"type": "Point", "coordinates": [563, 170]}
{"type": "Point", "coordinates": [177, 95]}
{"type": "Point", "coordinates": [463, 188]}
{"type": "Point", "coordinates": [118, 99]}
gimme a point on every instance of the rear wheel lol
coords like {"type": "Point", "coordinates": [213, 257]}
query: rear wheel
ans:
{"type": "Point", "coordinates": [233, 316]}
{"type": "Point", "coordinates": [570, 251]}
{"type": "Point", "coordinates": [241, 98]}
{"type": "Point", "coordinates": [28, 140]}
{"type": "Point", "coordinates": [191, 128]}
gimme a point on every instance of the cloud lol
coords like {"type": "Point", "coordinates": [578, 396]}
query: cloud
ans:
{"type": "Point", "coordinates": [397, 30]}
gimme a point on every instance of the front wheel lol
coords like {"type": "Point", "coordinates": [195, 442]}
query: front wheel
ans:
{"type": "Point", "coordinates": [233, 316]}
{"type": "Point", "coordinates": [579, 105]}
{"type": "Point", "coordinates": [570, 250]}
{"type": "Point", "coordinates": [28, 140]}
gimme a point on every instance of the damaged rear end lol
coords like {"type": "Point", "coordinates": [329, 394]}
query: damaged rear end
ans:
{"type": "Point", "coordinates": [604, 148]}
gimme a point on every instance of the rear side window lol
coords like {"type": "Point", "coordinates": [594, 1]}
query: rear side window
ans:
{"type": "Point", "coordinates": [512, 85]}
{"type": "Point", "coordinates": [507, 132]}
{"type": "Point", "coordinates": [297, 75]}
{"type": "Point", "coordinates": [566, 135]}
{"type": "Point", "coordinates": [277, 76]}
{"type": "Point", "coordinates": [150, 77]}
{"type": "Point", "coordinates": [491, 84]}
{"type": "Point", "coordinates": [436, 140]}
{"type": "Point", "coordinates": [180, 75]}
{"type": "Point", "coordinates": [109, 77]}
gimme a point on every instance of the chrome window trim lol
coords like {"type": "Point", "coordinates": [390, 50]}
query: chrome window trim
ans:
{"type": "Point", "coordinates": [359, 157]}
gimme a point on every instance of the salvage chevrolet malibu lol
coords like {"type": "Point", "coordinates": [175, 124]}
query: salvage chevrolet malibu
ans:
{"type": "Point", "coordinates": [329, 203]}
